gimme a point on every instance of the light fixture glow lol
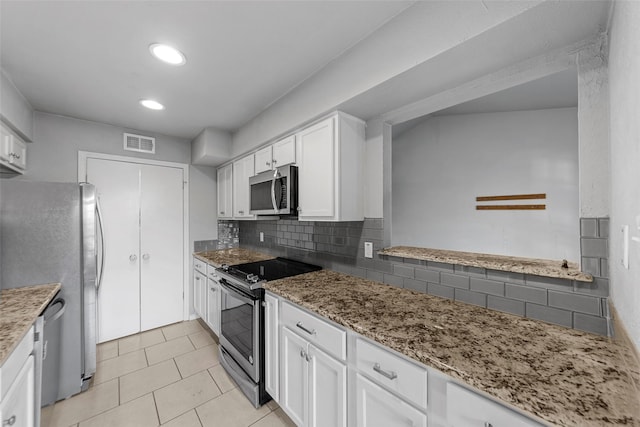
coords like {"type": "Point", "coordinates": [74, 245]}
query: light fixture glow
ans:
{"type": "Point", "coordinates": [151, 104]}
{"type": "Point", "coordinates": [167, 54]}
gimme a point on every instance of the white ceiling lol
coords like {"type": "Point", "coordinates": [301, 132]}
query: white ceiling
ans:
{"type": "Point", "coordinates": [90, 59]}
{"type": "Point", "coordinates": [559, 90]}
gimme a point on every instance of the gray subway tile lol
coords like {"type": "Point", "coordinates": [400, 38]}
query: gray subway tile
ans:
{"type": "Point", "coordinates": [375, 276]}
{"type": "Point", "coordinates": [427, 275]}
{"type": "Point", "coordinates": [390, 279]}
{"type": "Point", "coordinates": [440, 266]}
{"type": "Point", "coordinates": [469, 297]}
{"type": "Point", "coordinates": [487, 286]}
{"type": "Point", "coordinates": [526, 293]}
{"type": "Point", "coordinates": [373, 223]}
{"type": "Point", "coordinates": [603, 227]}
{"type": "Point", "coordinates": [454, 280]}
{"type": "Point", "coordinates": [596, 248]}
{"type": "Point", "coordinates": [574, 302]}
{"type": "Point", "coordinates": [404, 271]}
{"type": "Point", "coordinates": [604, 307]}
{"type": "Point", "coordinates": [599, 287]}
{"type": "Point", "coordinates": [470, 271]}
{"type": "Point", "coordinates": [506, 305]}
{"type": "Point", "coordinates": [549, 283]}
{"type": "Point", "coordinates": [370, 233]}
{"type": "Point", "coordinates": [588, 323]}
{"type": "Point", "coordinates": [589, 227]}
{"type": "Point", "coordinates": [359, 272]}
{"type": "Point", "coordinates": [416, 285]}
{"type": "Point", "coordinates": [415, 261]}
{"type": "Point", "coordinates": [591, 266]}
{"type": "Point", "coordinates": [549, 314]}
{"type": "Point", "coordinates": [440, 291]}
{"type": "Point", "coordinates": [505, 276]}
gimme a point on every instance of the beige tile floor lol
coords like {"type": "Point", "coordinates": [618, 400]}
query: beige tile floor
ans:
{"type": "Point", "coordinates": [168, 376]}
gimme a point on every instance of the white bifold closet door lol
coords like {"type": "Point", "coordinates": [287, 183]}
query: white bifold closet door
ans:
{"type": "Point", "coordinates": [142, 207]}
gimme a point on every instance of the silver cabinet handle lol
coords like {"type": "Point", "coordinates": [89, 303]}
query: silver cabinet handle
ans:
{"type": "Point", "coordinates": [267, 163]}
{"type": "Point", "coordinates": [213, 289]}
{"type": "Point", "coordinates": [146, 257]}
{"type": "Point", "coordinates": [133, 257]}
{"type": "Point", "coordinates": [222, 213]}
{"type": "Point", "coordinates": [14, 155]}
{"type": "Point", "coordinates": [309, 331]}
{"type": "Point", "coordinates": [197, 279]}
{"type": "Point", "coordinates": [302, 353]}
{"type": "Point", "coordinates": [9, 421]}
{"type": "Point", "coordinates": [391, 375]}
{"type": "Point", "coordinates": [274, 161]}
{"type": "Point", "coordinates": [487, 424]}
{"type": "Point", "coordinates": [241, 212]}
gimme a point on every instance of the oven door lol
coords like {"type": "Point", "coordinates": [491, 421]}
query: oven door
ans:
{"type": "Point", "coordinates": [240, 327]}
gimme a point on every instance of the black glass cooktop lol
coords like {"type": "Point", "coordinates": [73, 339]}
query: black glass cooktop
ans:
{"type": "Point", "coordinates": [271, 269]}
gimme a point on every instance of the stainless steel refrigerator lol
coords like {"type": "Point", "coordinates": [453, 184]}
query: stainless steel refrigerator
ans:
{"type": "Point", "coordinates": [50, 232]}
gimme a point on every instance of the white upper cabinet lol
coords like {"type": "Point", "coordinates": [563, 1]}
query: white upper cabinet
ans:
{"type": "Point", "coordinates": [242, 170]}
{"type": "Point", "coordinates": [330, 156]}
{"type": "Point", "coordinates": [281, 153]}
{"type": "Point", "coordinates": [225, 189]}
{"type": "Point", "coordinates": [13, 150]}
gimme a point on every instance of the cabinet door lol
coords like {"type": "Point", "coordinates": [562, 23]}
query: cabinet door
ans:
{"type": "Point", "coordinates": [316, 176]}
{"type": "Point", "coordinates": [271, 346]}
{"type": "Point", "coordinates": [242, 170]}
{"type": "Point", "coordinates": [327, 390]}
{"type": "Point", "coordinates": [198, 282]}
{"type": "Point", "coordinates": [18, 153]}
{"type": "Point", "coordinates": [376, 407]}
{"type": "Point", "coordinates": [213, 305]}
{"type": "Point", "coordinates": [284, 151]}
{"type": "Point", "coordinates": [17, 407]}
{"type": "Point", "coordinates": [263, 160]}
{"type": "Point", "coordinates": [6, 140]}
{"type": "Point", "coordinates": [161, 246]}
{"type": "Point", "coordinates": [294, 377]}
{"type": "Point", "coordinates": [118, 188]}
{"type": "Point", "coordinates": [225, 189]}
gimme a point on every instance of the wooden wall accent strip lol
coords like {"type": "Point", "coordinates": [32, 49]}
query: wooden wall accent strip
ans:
{"type": "Point", "coordinates": [510, 207]}
{"type": "Point", "coordinates": [512, 197]}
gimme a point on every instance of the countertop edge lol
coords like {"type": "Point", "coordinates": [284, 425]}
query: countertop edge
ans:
{"type": "Point", "coordinates": [533, 266]}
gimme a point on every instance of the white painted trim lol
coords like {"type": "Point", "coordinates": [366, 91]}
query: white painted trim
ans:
{"type": "Point", "coordinates": [83, 156]}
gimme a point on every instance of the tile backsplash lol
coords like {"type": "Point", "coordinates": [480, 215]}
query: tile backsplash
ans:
{"type": "Point", "coordinates": [339, 246]}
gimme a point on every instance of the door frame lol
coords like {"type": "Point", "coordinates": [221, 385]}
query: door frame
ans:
{"type": "Point", "coordinates": [83, 156]}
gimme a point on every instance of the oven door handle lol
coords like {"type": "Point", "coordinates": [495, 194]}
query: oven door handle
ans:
{"type": "Point", "coordinates": [229, 288]}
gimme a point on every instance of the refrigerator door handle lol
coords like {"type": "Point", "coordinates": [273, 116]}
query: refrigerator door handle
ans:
{"type": "Point", "coordinates": [102, 246]}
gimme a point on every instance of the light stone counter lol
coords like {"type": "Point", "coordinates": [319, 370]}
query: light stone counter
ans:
{"type": "Point", "coordinates": [538, 267]}
{"type": "Point", "coordinates": [231, 256]}
{"type": "Point", "coordinates": [19, 309]}
{"type": "Point", "coordinates": [564, 376]}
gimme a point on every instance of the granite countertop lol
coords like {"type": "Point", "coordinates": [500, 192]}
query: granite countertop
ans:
{"type": "Point", "coordinates": [231, 256]}
{"type": "Point", "coordinates": [19, 308]}
{"type": "Point", "coordinates": [538, 267]}
{"type": "Point", "coordinates": [563, 376]}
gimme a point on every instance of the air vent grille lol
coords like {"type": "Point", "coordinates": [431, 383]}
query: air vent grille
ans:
{"type": "Point", "coordinates": [139, 143]}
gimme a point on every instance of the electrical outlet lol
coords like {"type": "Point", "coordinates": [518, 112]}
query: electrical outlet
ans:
{"type": "Point", "coordinates": [261, 236]}
{"type": "Point", "coordinates": [368, 250]}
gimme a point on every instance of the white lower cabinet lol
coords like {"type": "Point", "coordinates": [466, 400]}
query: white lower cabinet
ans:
{"type": "Point", "coordinates": [17, 385]}
{"type": "Point", "coordinates": [271, 349]}
{"type": "Point", "coordinates": [213, 290]}
{"type": "Point", "coordinates": [313, 385]}
{"type": "Point", "coordinates": [376, 407]}
{"type": "Point", "coordinates": [466, 409]}
{"type": "Point", "coordinates": [199, 293]}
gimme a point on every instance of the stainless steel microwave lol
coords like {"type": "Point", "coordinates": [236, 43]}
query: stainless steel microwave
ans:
{"type": "Point", "coordinates": [274, 192]}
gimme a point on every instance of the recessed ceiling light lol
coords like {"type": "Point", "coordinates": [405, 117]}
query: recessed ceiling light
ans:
{"type": "Point", "coordinates": [167, 54]}
{"type": "Point", "coordinates": [151, 104]}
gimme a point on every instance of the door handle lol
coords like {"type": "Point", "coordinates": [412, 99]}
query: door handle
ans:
{"type": "Point", "coordinates": [391, 375]}
{"type": "Point", "coordinates": [133, 257]}
{"type": "Point", "coordinates": [146, 257]}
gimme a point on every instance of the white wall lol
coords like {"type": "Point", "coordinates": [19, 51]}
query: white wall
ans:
{"type": "Point", "coordinates": [444, 163]}
{"type": "Point", "coordinates": [624, 86]}
{"type": "Point", "coordinates": [15, 109]}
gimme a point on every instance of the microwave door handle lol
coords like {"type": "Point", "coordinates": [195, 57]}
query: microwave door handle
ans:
{"type": "Point", "coordinates": [273, 191]}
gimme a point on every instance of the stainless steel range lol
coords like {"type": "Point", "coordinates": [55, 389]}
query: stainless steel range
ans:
{"type": "Point", "coordinates": [242, 320]}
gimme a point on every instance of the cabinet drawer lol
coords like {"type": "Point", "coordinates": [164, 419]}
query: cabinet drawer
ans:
{"type": "Point", "coordinates": [200, 265]}
{"type": "Point", "coordinates": [14, 362]}
{"type": "Point", "coordinates": [315, 330]}
{"type": "Point", "coordinates": [211, 273]}
{"type": "Point", "coordinates": [392, 372]}
{"type": "Point", "coordinates": [466, 408]}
